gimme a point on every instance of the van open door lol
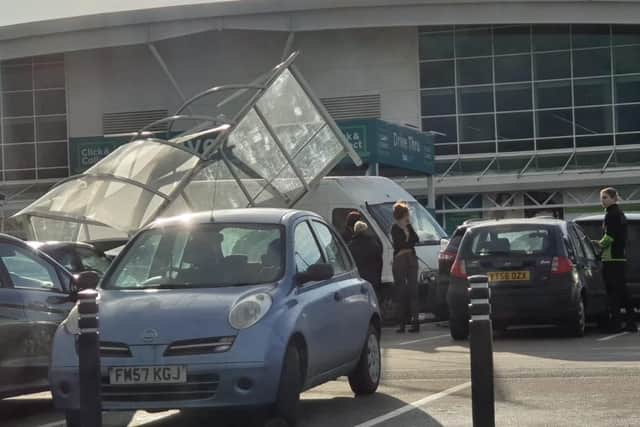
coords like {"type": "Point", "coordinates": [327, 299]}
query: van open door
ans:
{"type": "Point", "coordinates": [266, 143]}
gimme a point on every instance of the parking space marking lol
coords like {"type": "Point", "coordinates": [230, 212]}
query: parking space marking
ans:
{"type": "Point", "coordinates": [610, 337]}
{"type": "Point", "coordinates": [414, 405]}
{"type": "Point", "coordinates": [423, 339]}
{"type": "Point", "coordinates": [54, 424]}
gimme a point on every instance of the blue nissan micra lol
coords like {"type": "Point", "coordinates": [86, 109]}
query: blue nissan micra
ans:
{"type": "Point", "coordinates": [237, 308]}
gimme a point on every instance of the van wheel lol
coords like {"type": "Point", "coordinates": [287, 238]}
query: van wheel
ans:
{"type": "Point", "coordinates": [72, 417]}
{"type": "Point", "coordinates": [286, 406]}
{"type": "Point", "coordinates": [365, 378]}
{"type": "Point", "coordinates": [577, 323]}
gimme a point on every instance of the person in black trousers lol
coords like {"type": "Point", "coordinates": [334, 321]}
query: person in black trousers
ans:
{"type": "Point", "coordinates": [367, 252]}
{"type": "Point", "coordinates": [405, 267]}
{"type": "Point", "coordinates": [614, 260]}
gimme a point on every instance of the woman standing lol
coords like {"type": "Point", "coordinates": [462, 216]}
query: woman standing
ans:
{"type": "Point", "coordinates": [405, 267]}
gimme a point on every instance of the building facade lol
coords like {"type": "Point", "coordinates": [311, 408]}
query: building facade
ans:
{"type": "Point", "coordinates": [533, 105]}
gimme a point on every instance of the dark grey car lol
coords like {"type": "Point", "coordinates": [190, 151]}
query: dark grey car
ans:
{"type": "Point", "coordinates": [34, 298]}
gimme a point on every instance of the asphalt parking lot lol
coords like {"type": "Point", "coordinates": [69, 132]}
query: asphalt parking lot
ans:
{"type": "Point", "coordinates": [542, 379]}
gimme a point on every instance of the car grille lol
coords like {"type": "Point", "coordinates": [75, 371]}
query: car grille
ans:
{"type": "Point", "coordinates": [197, 387]}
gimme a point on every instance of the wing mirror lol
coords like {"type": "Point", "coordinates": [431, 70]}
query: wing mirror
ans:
{"type": "Point", "coordinates": [86, 280]}
{"type": "Point", "coordinates": [315, 273]}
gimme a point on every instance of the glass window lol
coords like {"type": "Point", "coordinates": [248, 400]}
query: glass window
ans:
{"type": "Point", "coordinates": [627, 118]}
{"type": "Point", "coordinates": [48, 76]}
{"type": "Point", "coordinates": [477, 128]}
{"type": "Point", "coordinates": [593, 120]}
{"type": "Point", "coordinates": [306, 249]}
{"type": "Point", "coordinates": [553, 94]}
{"type": "Point", "coordinates": [515, 125]}
{"type": "Point", "coordinates": [554, 123]}
{"type": "Point", "coordinates": [511, 146]}
{"type": "Point", "coordinates": [52, 173]}
{"type": "Point", "coordinates": [437, 102]}
{"type": "Point", "coordinates": [436, 74]}
{"type": "Point", "coordinates": [551, 37]}
{"type": "Point", "coordinates": [50, 102]}
{"type": "Point", "coordinates": [18, 130]}
{"type": "Point", "coordinates": [513, 68]}
{"type": "Point", "coordinates": [51, 128]}
{"type": "Point", "coordinates": [27, 270]}
{"type": "Point", "coordinates": [513, 97]}
{"type": "Point", "coordinates": [336, 253]}
{"type": "Point", "coordinates": [18, 175]}
{"type": "Point", "coordinates": [446, 149]}
{"type": "Point", "coordinates": [550, 162]}
{"type": "Point", "coordinates": [554, 144]}
{"type": "Point", "coordinates": [477, 147]}
{"type": "Point", "coordinates": [52, 154]}
{"type": "Point", "coordinates": [554, 65]}
{"type": "Point", "coordinates": [92, 260]}
{"type": "Point", "coordinates": [443, 125]}
{"type": "Point", "coordinates": [590, 35]}
{"type": "Point", "coordinates": [591, 62]}
{"type": "Point", "coordinates": [575, 247]}
{"type": "Point", "coordinates": [202, 255]}
{"type": "Point", "coordinates": [509, 240]}
{"type": "Point", "coordinates": [17, 77]}
{"type": "Point", "coordinates": [626, 34]}
{"type": "Point", "coordinates": [436, 45]}
{"type": "Point", "coordinates": [626, 59]}
{"type": "Point", "coordinates": [475, 42]}
{"type": "Point", "coordinates": [592, 91]}
{"type": "Point", "coordinates": [20, 156]}
{"type": "Point", "coordinates": [590, 160]}
{"type": "Point", "coordinates": [627, 89]}
{"type": "Point", "coordinates": [16, 104]}
{"type": "Point", "coordinates": [474, 71]}
{"type": "Point", "coordinates": [478, 99]}
{"type": "Point", "coordinates": [594, 141]}
{"type": "Point", "coordinates": [511, 39]}
{"type": "Point", "coordinates": [587, 246]}
{"type": "Point", "coordinates": [426, 227]}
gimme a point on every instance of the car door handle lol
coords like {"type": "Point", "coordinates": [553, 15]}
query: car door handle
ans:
{"type": "Point", "coordinates": [337, 296]}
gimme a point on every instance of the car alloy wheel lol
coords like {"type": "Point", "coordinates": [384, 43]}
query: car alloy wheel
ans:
{"type": "Point", "coordinates": [365, 378]}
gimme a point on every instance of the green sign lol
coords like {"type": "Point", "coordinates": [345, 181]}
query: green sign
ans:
{"type": "Point", "coordinates": [85, 152]}
{"type": "Point", "coordinates": [390, 144]}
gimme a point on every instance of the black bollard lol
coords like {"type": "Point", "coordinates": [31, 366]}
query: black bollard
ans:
{"type": "Point", "coordinates": [89, 359]}
{"type": "Point", "coordinates": [481, 352]}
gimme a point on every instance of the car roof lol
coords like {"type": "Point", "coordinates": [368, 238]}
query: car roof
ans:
{"type": "Point", "coordinates": [57, 244]}
{"type": "Point", "coordinates": [633, 216]}
{"type": "Point", "coordinates": [521, 221]}
{"type": "Point", "coordinates": [241, 215]}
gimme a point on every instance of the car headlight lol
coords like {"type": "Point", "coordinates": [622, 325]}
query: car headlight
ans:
{"type": "Point", "coordinates": [70, 324]}
{"type": "Point", "coordinates": [248, 311]}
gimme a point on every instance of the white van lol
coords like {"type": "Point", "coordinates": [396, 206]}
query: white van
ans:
{"type": "Point", "coordinates": [374, 197]}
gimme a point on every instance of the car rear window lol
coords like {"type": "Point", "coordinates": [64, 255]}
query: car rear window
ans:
{"type": "Point", "coordinates": [454, 243]}
{"type": "Point", "coordinates": [509, 240]}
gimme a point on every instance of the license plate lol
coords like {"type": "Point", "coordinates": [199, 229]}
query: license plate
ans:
{"type": "Point", "coordinates": [148, 375]}
{"type": "Point", "coordinates": [509, 276]}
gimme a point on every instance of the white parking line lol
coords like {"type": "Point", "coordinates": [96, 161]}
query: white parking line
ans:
{"type": "Point", "coordinates": [54, 424]}
{"type": "Point", "coordinates": [610, 337]}
{"type": "Point", "coordinates": [423, 339]}
{"type": "Point", "coordinates": [414, 405]}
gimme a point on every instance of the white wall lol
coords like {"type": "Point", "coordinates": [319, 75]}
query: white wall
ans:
{"type": "Point", "coordinates": [336, 63]}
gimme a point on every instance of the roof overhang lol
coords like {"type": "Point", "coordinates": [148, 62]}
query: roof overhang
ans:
{"type": "Point", "coordinates": [49, 27]}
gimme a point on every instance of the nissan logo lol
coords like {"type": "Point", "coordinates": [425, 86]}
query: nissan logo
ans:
{"type": "Point", "coordinates": [149, 335]}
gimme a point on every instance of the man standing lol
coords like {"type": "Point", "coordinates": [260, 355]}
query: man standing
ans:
{"type": "Point", "coordinates": [614, 261]}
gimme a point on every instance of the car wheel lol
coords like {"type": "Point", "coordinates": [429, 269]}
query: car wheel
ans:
{"type": "Point", "coordinates": [72, 418]}
{"type": "Point", "coordinates": [286, 406]}
{"type": "Point", "coordinates": [459, 329]}
{"type": "Point", "coordinates": [365, 378]}
{"type": "Point", "coordinates": [578, 321]}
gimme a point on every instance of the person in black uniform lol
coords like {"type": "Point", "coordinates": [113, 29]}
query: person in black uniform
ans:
{"type": "Point", "coordinates": [614, 261]}
{"type": "Point", "coordinates": [405, 267]}
{"type": "Point", "coordinates": [367, 252]}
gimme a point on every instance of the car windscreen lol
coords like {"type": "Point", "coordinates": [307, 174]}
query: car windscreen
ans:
{"type": "Point", "coordinates": [202, 255]}
{"type": "Point", "coordinates": [509, 240]}
{"type": "Point", "coordinates": [428, 230]}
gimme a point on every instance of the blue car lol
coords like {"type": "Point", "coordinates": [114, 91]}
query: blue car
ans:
{"type": "Point", "coordinates": [227, 309]}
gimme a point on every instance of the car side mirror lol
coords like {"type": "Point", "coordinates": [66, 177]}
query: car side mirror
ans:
{"type": "Point", "coordinates": [86, 280]}
{"type": "Point", "coordinates": [315, 273]}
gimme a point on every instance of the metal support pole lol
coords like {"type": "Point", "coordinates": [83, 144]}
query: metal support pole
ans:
{"type": "Point", "coordinates": [431, 193]}
{"type": "Point", "coordinates": [89, 359]}
{"type": "Point", "coordinates": [481, 352]}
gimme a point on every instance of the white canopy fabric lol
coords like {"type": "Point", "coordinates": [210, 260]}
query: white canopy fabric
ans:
{"type": "Point", "coordinates": [277, 147]}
